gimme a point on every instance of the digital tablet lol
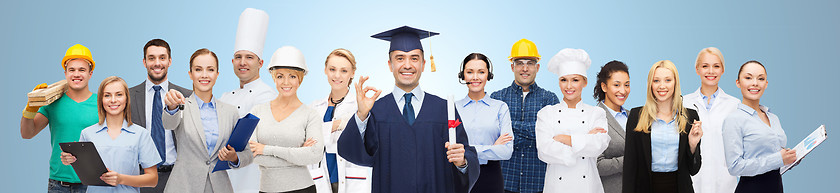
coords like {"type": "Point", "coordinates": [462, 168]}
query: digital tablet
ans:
{"type": "Point", "coordinates": [88, 166]}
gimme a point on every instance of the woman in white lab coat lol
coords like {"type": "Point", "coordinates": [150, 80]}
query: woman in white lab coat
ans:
{"type": "Point", "coordinates": [713, 106]}
{"type": "Point", "coordinates": [570, 135]}
{"type": "Point", "coordinates": [333, 173]}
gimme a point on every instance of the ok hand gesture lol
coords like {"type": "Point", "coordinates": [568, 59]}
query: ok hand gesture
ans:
{"type": "Point", "coordinates": [365, 103]}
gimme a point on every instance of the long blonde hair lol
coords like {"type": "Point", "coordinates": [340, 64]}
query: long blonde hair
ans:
{"type": "Point", "coordinates": [648, 113]}
{"type": "Point", "coordinates": [101, 93]}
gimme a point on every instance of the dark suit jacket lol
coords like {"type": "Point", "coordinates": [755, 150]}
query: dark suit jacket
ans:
{"type": "Point", "coordinates": [637, 157]}
{"type": "Point", "coordinates": [138, 101]}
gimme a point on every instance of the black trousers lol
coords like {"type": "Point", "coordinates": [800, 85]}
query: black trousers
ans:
{"type": "Point", "coordinates": [490, 179]}
{"type": "Point", "coordinates": [664, 182]}
{"type": "Point", "coordinates": [770, 182]}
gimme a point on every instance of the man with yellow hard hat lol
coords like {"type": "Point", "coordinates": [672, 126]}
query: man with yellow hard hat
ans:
{"type": "Point", "coordinates": [67, 116]}
{"type": "Point", "coordinates": [524, 172]}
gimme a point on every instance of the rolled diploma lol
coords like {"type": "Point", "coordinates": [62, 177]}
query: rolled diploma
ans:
{"type": "Point", "coordinates": [450, 111]}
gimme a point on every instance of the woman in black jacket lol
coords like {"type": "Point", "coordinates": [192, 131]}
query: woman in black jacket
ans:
{"type": "Point", "coordinates": [662, 143]}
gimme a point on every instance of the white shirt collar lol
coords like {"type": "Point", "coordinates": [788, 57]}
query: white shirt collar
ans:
{"type": "Point", "coordinates": [164, 86]}
{"type": "Point", "coordinates": [418, 93]}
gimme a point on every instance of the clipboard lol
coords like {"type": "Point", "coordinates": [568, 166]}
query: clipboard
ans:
{"type": "Point", "coordinates": [806, 146]}
{"type": "Point", "coordinates": [88, 165]}
{"type": "Point", "coordinates": [239, 137]}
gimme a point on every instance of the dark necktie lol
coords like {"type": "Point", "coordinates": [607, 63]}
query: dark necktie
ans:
{"type": "Point", "coordinates": [408, 109]}
{"type": "Point", "coordinates": [158, 135]}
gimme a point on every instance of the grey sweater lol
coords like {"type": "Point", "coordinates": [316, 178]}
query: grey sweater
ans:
{"type": "Point", "coordinates": [283, 162]}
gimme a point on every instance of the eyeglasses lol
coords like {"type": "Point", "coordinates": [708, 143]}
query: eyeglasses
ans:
{"type": "Point", "coordinates": [519, 63]}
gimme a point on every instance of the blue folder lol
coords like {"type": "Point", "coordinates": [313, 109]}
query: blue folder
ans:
{"type": "Point", "coordinates": [239, 137]}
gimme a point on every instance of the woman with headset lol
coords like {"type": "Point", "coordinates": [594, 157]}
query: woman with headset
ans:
{"type": "Point", "coordinates": [487, 123]}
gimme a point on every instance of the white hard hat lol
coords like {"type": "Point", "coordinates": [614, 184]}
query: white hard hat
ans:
{"type": "Point", "coordinates": [288, 56]}
{"type": "Point", "coordinates": [251, 31]}
{"type": "Point", "coordinates": [570, 61]}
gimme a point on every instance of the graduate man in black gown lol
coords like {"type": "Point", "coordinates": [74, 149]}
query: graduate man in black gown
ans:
{"type": "Point", "coordinates": [404, 135]}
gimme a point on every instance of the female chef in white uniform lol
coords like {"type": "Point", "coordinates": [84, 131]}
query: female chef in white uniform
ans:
{"type": "Point", "coordinates": [713, 106]}
{"type": "Point", "coordinates": [333, 173]}
{"type": "Point", "coordinates": [570, 135]}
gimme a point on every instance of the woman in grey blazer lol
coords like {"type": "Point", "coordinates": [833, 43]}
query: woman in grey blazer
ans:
{"type": "Point", "coordinates": [202, 128]}
{"type": "Point", "coordinates": [611, 91]}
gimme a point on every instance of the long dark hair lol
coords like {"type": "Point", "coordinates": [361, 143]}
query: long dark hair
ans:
{"type": "Point", "coordinates": [606, 72]}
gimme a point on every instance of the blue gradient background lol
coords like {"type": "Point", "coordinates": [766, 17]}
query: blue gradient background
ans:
{"type": "Point", "coordinates": [797, 41]}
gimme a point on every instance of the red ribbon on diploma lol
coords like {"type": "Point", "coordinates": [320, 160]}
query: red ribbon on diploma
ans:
{"type": "Point", "coordinates": [454, 123]}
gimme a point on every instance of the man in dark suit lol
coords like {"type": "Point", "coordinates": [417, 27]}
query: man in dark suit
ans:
{"type": "Point", "coordinates": [147, 106]}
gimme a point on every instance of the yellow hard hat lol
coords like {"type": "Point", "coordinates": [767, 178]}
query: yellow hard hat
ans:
{"type": "Point", "coordinates": [78, 51]}
{"type": "Point", "coordinates": [524, 48]}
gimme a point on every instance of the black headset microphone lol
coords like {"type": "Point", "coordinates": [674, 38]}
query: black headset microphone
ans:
{"type": "Point", "coordinates": [461, 76]}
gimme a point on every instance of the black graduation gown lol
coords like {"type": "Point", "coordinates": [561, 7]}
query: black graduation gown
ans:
{"type": "Point", "coordinates": [409, 158]}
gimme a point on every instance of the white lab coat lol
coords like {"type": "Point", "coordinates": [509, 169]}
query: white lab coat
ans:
{"type": "Point", "coordinates": [713, 177]}
{"type": "Point", "coordinates": [247, 179]}
{"type": "Point", "coordinates": [571, 168]}
{"type": "Point", "coordinates": [351, 177]}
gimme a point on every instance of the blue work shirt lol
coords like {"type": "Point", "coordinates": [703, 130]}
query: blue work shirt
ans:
{"type": "Point", "coordinates": [133, 147]}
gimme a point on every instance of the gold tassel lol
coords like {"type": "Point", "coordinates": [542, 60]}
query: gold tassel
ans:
{"type": "Point", "coordinates": [431, 57]}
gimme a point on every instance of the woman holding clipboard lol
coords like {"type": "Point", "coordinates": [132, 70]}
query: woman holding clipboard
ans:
{"type": "Point", "coordinates": [121, 144]}
{"type": "Point", "coordinates": [753, 138]}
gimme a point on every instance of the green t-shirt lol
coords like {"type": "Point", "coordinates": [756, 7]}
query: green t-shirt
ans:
{"type": "Point", "coordinates": [67, 120]}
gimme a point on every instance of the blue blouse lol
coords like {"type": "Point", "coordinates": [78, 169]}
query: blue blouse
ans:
{"type": "Point", "coordinates": [484, 121]}
{"type": "Point", "coordinates": [751, 147]}
{"type": "Point", "coordinates": [664, 145]}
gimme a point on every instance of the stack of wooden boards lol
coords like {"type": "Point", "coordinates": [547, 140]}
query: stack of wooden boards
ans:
{"type": "Point", "coordinates": [43, 97]}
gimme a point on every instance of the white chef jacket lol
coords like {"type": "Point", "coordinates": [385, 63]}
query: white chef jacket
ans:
{"type": "Point", "coordinates": [713, 177]}
{"type": "Point", "coordinates": [351, 177]}
{"type": "Point", "coordinates": [247, 179]}
{"type": "Point", "coordinates": [571, 168]}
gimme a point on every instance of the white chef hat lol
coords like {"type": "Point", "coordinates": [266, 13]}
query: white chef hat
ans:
{"type": "Point", "coordinates": [251, 31]}
{"type": "Point", "coordinates": [570, 61]}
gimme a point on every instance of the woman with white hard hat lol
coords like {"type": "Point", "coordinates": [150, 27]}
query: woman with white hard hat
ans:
{"type": "Point", "coordinates": [334, 173]}
{"type": "Point", "coordinates": [570, 135]}
{"type": "Point", "coordinates": [288, 136]}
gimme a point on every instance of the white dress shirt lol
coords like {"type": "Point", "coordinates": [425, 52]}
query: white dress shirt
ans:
{"type": "Point", "coordinates": [171, 154]}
